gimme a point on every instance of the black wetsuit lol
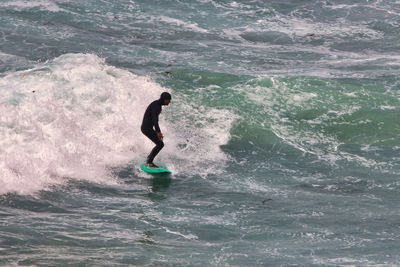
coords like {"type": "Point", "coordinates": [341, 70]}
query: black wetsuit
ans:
{"type": "Point", "coordinates": [150, 121]}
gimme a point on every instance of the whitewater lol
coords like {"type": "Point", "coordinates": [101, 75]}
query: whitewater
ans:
{"type": "Point", "coordinates": [282, 134]}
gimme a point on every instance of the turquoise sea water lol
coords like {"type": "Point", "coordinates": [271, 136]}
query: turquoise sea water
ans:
{"type": "Point", "coordinates": [282, 134]}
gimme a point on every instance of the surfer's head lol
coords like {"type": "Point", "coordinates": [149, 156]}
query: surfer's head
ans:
{"type": "Point", "coordinates": [165, 98]}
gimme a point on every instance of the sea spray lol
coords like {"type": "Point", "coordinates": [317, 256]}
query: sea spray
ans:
{"type": "Point", "coordinates": [76, 117]}
{"type": "Point", "coordinates": [71, 117]}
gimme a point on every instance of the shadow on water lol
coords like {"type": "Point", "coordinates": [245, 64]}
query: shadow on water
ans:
{"type": "Point", "coordinates": [158, 185]}
{"type": "Point", "coordinates": [160, 182]}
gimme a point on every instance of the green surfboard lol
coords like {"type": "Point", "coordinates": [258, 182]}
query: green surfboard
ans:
{"type": "Point", "coordinates": [154, 170]}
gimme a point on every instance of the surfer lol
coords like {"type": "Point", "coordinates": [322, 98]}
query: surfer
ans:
{"type": "Point", "coordinates": [150, 127]}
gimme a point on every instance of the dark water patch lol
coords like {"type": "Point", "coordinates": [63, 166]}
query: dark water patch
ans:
{"type": "Point", "coordinates": [195, 78]}
{"type": "Point", "coordinates": [92, 188]}
{"type": "Point", "coordinates": [30, 203]}
{"type": "Point", "coordinates": [385, 27]}
{"type": "Point", "coordinates": [303, 56]}
{"type": "Point", "coordinates": [287, 6]}
{"type": "Point", "coordinates": [271, 37]}
{"type": "Point", "coordinates": [363, 46]}
{"type": "Point", "coordinates": [160, 183]}
{"type": "Point", "coordinates": [310, 114]}
{"type": "Point", "coordinates": [371, 126]}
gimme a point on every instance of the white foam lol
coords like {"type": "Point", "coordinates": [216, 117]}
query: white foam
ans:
{"type": "Point", "coordinates": [71, 117]}
{"type": "Point", "coordinates": [197, 137]}
{"type": "Point", "coordinates": [25, 4]}
{"type": "Point", "coordinates": [181, 23]}
{"type": "Point", "coordinates": [75, 116]}
{"type": "Point", "coordinates": [189, 236]}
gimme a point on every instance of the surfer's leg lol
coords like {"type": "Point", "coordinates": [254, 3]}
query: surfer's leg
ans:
{"type": "Point", "coordinates": [152, 135]}
{"type": "Point", "coordinates": [154, 152]}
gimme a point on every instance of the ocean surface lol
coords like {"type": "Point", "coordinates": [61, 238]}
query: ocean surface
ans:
{"type": "Point", "coordinates": [283, 134]}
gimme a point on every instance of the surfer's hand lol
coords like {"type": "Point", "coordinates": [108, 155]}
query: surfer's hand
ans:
{"type": "Point", "coordinates": [160, 136]}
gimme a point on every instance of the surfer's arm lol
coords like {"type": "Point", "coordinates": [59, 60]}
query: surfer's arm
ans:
{"type": "Point", "coordinates": [155, 111]}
